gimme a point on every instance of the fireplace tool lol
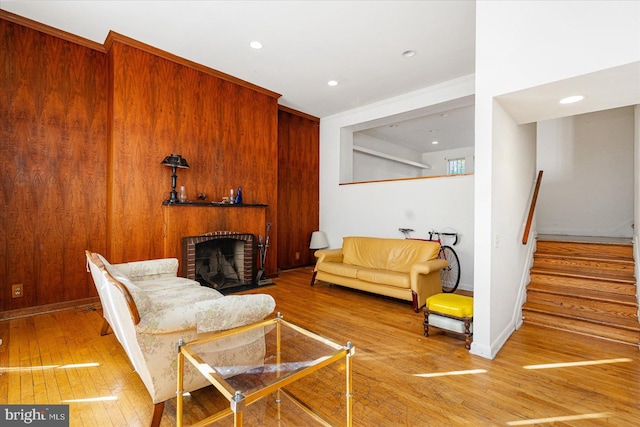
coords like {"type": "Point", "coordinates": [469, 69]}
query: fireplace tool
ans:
{"type": "Point", "coordinates": [261, 278]}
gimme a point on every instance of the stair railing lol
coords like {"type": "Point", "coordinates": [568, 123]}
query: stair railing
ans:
{"type": "Point", "coordinates": [532, 207]}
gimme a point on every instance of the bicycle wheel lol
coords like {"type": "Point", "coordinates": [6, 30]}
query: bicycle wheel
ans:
{"type": "Point", "coordinates": [450, 276]}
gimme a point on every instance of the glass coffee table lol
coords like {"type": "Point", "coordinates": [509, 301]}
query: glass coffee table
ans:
{"type": "Point", "coordinates": [257, 361]}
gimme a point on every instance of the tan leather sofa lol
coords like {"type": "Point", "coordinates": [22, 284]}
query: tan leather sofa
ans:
{"type": "Point", "coordinates": [399, 268]}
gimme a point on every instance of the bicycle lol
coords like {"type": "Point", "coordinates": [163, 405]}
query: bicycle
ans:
{"type": "Point", "coordinates": [450, 276]}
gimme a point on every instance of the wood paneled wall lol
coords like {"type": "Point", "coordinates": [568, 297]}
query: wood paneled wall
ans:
{"type": "Point", "coordinates": [298, 187]}
{"type": "Point", "coordinates": [227, 133]}
{"type": "Point", "coordinates": [53, 119]}
{"type": "Point", "coordinates": [84, 129]}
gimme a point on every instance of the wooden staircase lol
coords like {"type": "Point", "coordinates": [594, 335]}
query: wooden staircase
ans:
{"type": "Point", "coordinates": [584, 286]}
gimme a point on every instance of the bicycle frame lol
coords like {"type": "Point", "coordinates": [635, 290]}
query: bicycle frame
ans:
{"type": "Point", "coordinates": [439, 240]}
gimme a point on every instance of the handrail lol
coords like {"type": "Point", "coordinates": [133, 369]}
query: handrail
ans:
{"type": "Point", "coordinates": [532, 207]}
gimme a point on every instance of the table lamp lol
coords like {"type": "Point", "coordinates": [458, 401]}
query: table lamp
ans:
{"type": "Point", "coordinates": [318, 240]}
{"type": "Point", "coordinates": [174, 161]}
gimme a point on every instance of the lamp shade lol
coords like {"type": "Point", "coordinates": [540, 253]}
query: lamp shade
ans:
{"type": "Point", "coordinates": [175, 160]}
{"type": "Point", "coordinates": [318, 240]}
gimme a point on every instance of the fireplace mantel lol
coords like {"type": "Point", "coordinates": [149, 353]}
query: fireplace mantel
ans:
{"type": "Point", "coordinates": [216, 204]}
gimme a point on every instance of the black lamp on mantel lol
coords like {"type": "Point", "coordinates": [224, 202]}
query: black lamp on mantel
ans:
{"type": "Point", "coordinates": [174, 161]}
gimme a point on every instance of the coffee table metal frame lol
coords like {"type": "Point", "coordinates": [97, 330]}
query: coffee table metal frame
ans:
{"type": "Point", "coordinates": [238, 400]}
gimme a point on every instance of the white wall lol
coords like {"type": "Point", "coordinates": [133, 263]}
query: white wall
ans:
{"type": "Point", "coordinates": [380, 208]}
{"type": "Point", "coordinates": [438, 160]}
{"type": "Point", "coordinates": [636, 229]}
{"type": "Point", "coordinates": [519, 45]}
{"type": "Point", "coordinates": [588, 183]}
{"type": "Point", "coordinates": [530, 43]}
{"type": "Point", "coordinates": [514, 171]}
{"type": "Point", "coordinates": [367, 167]}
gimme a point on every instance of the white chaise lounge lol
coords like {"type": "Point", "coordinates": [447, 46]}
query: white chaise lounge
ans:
{"type": "Point", "coordinates": [150, 309]}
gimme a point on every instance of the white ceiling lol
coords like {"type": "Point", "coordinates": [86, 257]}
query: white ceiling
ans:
{"type": "Point", "coordinates": [306, 43]}
{"type": "Point", "coordinates": [452, 128]}
{"type": "Point", "coordinates": [605, 89]}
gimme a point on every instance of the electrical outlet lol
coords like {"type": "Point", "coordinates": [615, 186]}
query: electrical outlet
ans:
{"type": "Point", "coordinates": [297, 256]}
{"type": "Point", "coordinates": [16, 291]}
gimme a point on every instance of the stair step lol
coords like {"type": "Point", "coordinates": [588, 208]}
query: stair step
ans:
{"type": "Point", "coordinates": [612, 268]}
{"type": "Point", "coordinates": [588, 294]}
{"type": "Point", "coordinates": [622, 286]}
{"type": "Point", "coordinates": [612, 249]}
{"type": "Point", "coordinates": [584, 306]}
{"type": "Point", "coordinates": [627, 323]}
{"type": "Point", "coordinates": [602, 326]}
{"type": "Point", "coordinates": [586, 286]}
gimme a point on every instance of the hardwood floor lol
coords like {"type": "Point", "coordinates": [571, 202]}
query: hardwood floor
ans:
{"type": "Point", "coordinates": [400, 377]}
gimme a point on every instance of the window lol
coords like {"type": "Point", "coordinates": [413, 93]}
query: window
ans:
{"type": "Point", "coordinates": [456, 166]}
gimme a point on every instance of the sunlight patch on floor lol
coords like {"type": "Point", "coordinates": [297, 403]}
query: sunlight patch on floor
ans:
{"type": "Point", "coordinates": [583, 363]}
{"type": "Point", "coordinates": [27, 368]}
{"type": "Point", "coordinates": [560, 419]}
{"type": "Point", "coordinates": [45, 367]}
{"type": "Point", "coordinates": [79, 365]}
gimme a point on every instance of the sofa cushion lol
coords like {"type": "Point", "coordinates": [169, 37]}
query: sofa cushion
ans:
{"type": "Point", "coordinates": [160, 284]}
{"type": "Point", "coordinates": [338, 269]}
{"type": "Point", "coordinates": [174, 309]}
{"type": "Point", "coordinates": [180, 296]}
{"type": "Point", "coordinates": [152, 269]}
{"type": "Point", "coordinates": [384, 277]}
{"type": "Point", "coordinates": [387, 254]}
{"type": "Point", "coordinates": [233, 311]}
{"type": "Point", "coordinates": [451, 304]}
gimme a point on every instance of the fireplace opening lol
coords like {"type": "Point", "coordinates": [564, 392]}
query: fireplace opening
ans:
{"type": "Point", "coordinates": [220, 259]}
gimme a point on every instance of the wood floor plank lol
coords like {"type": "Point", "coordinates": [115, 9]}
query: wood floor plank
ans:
{"type": "Point", "coordinates": [46, 334]}
{"type": "Point", "coordinates": [108, 379]}
{"type": "Point", "coordinates": [401, 378]}
{"type": "Point", "coordinates": [80, 388]}
{"type": "Point", "coordinates": [25, 363]}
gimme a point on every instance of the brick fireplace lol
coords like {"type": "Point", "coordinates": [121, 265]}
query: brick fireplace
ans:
{"type": "Point", "coordinates": [219, 259]}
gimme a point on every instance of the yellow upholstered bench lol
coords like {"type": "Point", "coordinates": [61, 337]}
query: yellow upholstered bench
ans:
{"type": "Point", "coordinates": [452, 313]}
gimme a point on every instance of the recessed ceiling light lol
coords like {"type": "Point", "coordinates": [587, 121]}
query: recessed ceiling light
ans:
{"type": "Point", "coordinates": [332, 83]}
{"type": "Point", "coordinates": [434, 142]}
{"type": "Point", "coordinates": [432, 131]}
{"type": "Point", "coordinates": [571, 99]}
{"type": "Point", "coordinates": [409, 53]}
{"type": "Point", "coordinates": [256, 45]}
